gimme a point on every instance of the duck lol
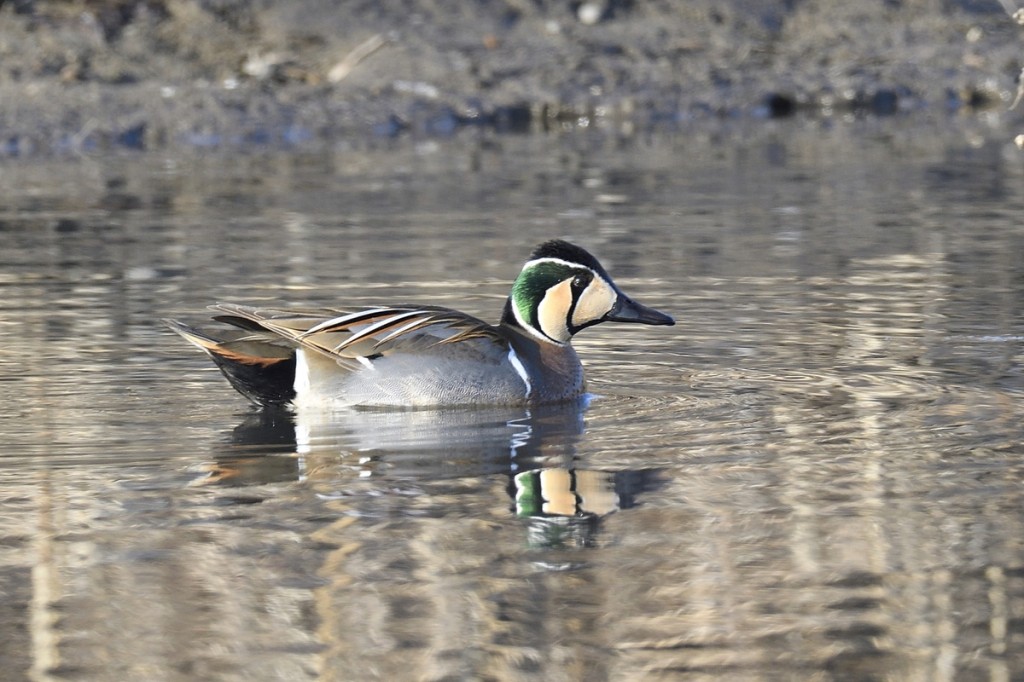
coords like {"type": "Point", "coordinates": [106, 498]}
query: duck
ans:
{"type": "Point", "coordinates": [424, 356]}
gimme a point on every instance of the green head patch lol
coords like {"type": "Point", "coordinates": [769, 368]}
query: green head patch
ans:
{"type": "Point", "coordinates": [533, 283]}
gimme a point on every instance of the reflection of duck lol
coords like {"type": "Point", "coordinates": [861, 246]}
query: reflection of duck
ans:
{"type": "Point", "coordinates": [444, 444]}
{"type": "Point", "coordinates": [535, 448]}
{"type": "Point", "coordinates": [424, 355]}
{"type": "Point", "coordinates": [565, 506]}
{"type": "Point", "coordinates": [565, 492]}
{"type": "Point", "coordinates": [411, 444]}
{"type": "Point", "coordinates": [261, 451]}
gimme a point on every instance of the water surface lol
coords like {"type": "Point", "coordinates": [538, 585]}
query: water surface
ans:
{"type": "Point", "coordinates": [815, 475]}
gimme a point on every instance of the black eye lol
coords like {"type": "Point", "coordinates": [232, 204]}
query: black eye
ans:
{"type": "Point", "coordinates": [579, 283]}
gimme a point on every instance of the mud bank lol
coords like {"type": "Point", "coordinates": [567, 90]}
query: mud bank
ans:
{"type": "Point", "coordinates": [145, 74]}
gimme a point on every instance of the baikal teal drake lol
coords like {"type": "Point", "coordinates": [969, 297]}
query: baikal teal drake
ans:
{"type": "Point", "coordinates": [425, 356]}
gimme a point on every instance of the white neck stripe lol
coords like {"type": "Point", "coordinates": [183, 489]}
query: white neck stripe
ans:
{"type": "Point", "coordinates": [520, 370]}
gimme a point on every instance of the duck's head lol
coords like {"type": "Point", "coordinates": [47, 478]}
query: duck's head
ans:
{"type": "Point", "coordinates": [563, 289]}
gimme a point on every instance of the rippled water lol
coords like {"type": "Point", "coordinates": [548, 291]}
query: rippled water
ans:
{"type": "Point", "coordinates": [815, 475]}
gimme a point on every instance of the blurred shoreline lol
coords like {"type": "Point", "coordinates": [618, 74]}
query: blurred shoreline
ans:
{"type": "Point", "coordinates": [156, 74]}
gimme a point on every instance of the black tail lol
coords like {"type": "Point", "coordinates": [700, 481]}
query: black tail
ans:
{"type": "Point", "coordinates": [263, 372]}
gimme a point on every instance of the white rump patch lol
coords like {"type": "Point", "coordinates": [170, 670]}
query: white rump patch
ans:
{"type": "Point", "coordinates": [301, 384]}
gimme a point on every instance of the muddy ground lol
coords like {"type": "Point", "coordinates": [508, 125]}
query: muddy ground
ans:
{"type": "Point", "coordinates": [80, 75]}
